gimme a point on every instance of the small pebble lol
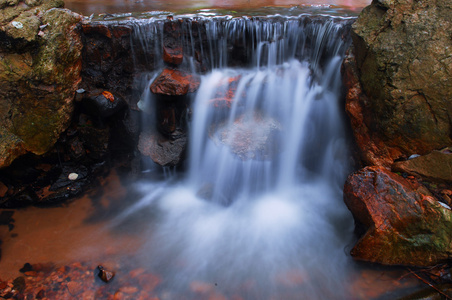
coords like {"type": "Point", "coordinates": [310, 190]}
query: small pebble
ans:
{"type": "Point", "coordinates": [73, 176]}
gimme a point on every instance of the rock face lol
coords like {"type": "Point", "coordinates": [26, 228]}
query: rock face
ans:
{"type": "Point", "coordinates": [403, 56]}
{"type": "Point", "coordinates": [39, 72]}
{"type": "Point", "coordinates": [399, 91]}
{"type": "Point", "coordinates": [405, 224]}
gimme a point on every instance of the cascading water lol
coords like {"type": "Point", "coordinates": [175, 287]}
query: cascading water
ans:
{"type": "Point", "coordinates": [259, 213]}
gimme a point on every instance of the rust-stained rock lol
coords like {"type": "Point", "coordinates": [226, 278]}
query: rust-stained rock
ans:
{"type": "Point", "coordinates": [163, 151]}
{"type": "Point", "coordinates": [405, 224]}
{"type": "Point", "coordinates": [403, 55]}
{"type": "Point", "coordinates": [373, 150]}
{"type": "Point", "coordinates": [173, 51]}
{"type": "Point", "coordinates": [435, 166]}
{"type": "Point", "coordinates": [175, 83]}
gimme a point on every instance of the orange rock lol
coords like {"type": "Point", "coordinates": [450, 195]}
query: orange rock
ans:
{"type": "Point", "coordinates": [31, 273]}
{"type": "Point", "coordinates": [405, 224]}
{"type": "Point", "coordinates": [175, 83]}
{"type": "Point", "coordinates": [109, 96]}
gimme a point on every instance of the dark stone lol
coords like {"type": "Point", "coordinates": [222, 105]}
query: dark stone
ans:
{"type": "Point", "coordinates": [26, 268]}
{"type": "Point", "coordinates": [103, 104]}
{"type": "Point", "coordinates": [19, 284]}
{"type": "Point", "coordinates": [105, 275]}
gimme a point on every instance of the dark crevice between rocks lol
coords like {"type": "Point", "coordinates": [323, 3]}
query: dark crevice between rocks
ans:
{"type": "Point", "coordinates": [101, 136]}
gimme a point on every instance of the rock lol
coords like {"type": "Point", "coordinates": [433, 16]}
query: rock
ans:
{"type": "Point", "coordinates": [226, 93]}
{"type": "Point", "coordinates": [3, 189]}
{"type": "Point", "coordinates": [19, 284]}
{"type": "Point", "coordinates": [11, 147]}
{"type": "Point", "coordinates": [373, 150]}
{"type": "Point", "coordinates": [38, 77]}
{"type": "Point", "coordinates": [403, 53]}
{"type": "Point", "coordinates": [105, 275]}
{"type": "Point", "coordinates": [405, 224]}
{"type": "Point", "coordinates": [175, 83]}
{"type": "Point", "coordinates": [437, 292]}
{"type": "Point", "coordinates": [72, 176]}
{"type": "Point", "coordinates": [173, 52]}
{"type": "Point", "coordinates": [435, 166]}
{"type": "Point", "coordinates": [74, 288]}
{"type": "Point", "coordinates": [163, 151]}
{"type": "Point", "coordinates": [250, 137]}
{"type": "Point", "coordinates": [103, 104]}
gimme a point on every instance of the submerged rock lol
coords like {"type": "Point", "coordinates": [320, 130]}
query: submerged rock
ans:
{"type": "Point", "coordinates": [405, 224]}
{"type": "Point", "coordinates": [163, 151]}
{"type": "Point", "coordinates": [250, 137]}
{"type": "Point", "coordinates": [403, 56]}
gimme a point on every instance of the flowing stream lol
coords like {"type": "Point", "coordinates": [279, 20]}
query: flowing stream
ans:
{"type": "Point", "coordinates": [259, 210]}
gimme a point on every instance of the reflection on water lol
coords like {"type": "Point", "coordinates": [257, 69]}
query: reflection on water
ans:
{"type": "Point", "coordinates": [88, 7]}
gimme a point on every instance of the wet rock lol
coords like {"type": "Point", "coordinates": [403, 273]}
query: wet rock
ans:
{"type": "Point", "coordinates": [175, 83]}
{"type": "Point", "coordinates": [435, 166]}
{"type": "Point", "coordinates": [403, 54]}
{"type": "Point", "coordinates": [250, 137]}
{"type": "Point", "coordinates": [163, 151]}
{"type": "Point", "coordinates": [105, 275]}
{"type": "Point", "coordinates": [67, 181]}
{"type": "Point", "coordinates": [38, 76]}
{"type": "Point", "coordinates": [405, 224]}
{"type": "Point", "coordinates": [3, 189]}
{"type": "Point", "coordinates": [173, 52]}
{"type": "Point", "coordinates": [74, 288]}
{"type": "Point", "coordinates": [373, 150]}
{"type": "Point", "coordinates": [19, 284]}
{"type": "Point", "coordinates": [11, 146]}
{"type": "Point", "coordinates": [26, 268]}
{"type": "Point", "coordinates": [440, 291]}
{"type": "Point", "coordinates": [226, 93]}
{"type": "Point", "coordinates": [103, 104]}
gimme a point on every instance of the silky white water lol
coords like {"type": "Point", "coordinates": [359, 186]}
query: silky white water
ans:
{"type": "Point", "coordinates": [259, 211]}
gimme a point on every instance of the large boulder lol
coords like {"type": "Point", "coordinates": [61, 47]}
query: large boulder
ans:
{"type": "Point", "coordinates": [403, 52]}
{"type": "Point", "coordinates": [405, 224]}
{"type": "Point", "coordinates": [39, 73]}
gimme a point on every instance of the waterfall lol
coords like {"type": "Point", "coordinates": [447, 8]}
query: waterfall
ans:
{"type": "Point", "coordinates": [259, 212]}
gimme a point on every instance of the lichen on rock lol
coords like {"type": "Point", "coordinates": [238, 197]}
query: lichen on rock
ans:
{"type": "Point", "coordinates": [39, 73]}
{"type": "Point", "coordinates": [403, 51]}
